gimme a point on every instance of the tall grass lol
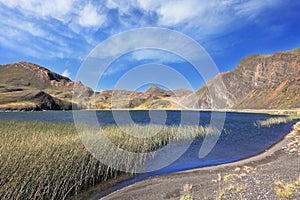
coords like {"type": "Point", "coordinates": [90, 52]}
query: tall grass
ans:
{"type": "Point", "coordinates": [45, 160]}
{"type": "Point", "coordinates": [275, 120]}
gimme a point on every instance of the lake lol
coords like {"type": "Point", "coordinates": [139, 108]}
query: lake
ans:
{"type": "Point", "coordinates": [242, 138]}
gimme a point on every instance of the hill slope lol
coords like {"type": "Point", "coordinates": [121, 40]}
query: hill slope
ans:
{"type": "Point", "coordinates": [153, 98]}
{"type": "Point", "coordinates": [27, 86]}
{"type": "Point", "coordinates": [260, 81]}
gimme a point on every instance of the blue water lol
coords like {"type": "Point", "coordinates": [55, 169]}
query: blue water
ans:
{"type": "Point", "coordinates": [241, 140]}
{"type": "Point", "coordinates": [106, 117]}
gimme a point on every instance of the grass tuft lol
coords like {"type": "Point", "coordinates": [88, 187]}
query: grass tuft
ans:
{"type": "Point", "coordinates": [284, 190]}
{"type": "Point", "coordinates": [275, 121]}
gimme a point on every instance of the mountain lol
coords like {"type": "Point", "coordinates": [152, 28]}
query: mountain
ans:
{"type": "Point", "coordinates": [158, 92]}
{"type": "Point", "coordinates": [116, 99]}
{"type": "Point", "coordinates": [259, 82]}
{"type": "Point", "coordinates": [27, 86]}
{"type": "Point", "coordinates": [153, 98]}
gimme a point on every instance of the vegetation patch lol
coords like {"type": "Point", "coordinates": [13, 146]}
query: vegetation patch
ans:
{"type": "Point", "coordinates": [286, 190]}
{"type": "Point", "coordinates": [275, 121]}
{"type": "Point", "coordinates": [46, 160]}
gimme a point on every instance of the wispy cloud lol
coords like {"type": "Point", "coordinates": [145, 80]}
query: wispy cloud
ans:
{"type": "Point", "coordinates": [176, 12]}
{"type": "Point", "coordinates": [251, 9]}
{"type": "Point", "coordinates": [56, 9]}
{"type": "Point", "coordinates": [90, 17]}
{"type": "Point", "coordinates": [56, 28]}
{"type": "Point", "coordinates": [66, 73]}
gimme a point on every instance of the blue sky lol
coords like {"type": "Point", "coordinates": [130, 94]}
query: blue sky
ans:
{"type": "Point", "coordinates": [60, 34]}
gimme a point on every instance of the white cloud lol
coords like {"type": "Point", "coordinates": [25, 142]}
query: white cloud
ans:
{"type": "Point", "coordinates": [122, 6]}
{"type": "Point", "coordinates": [66, 11]}
{"type": "Point", "coordinates": [150, 5]}
{"type": "Point", "coordinates": [208, 16]}
{"type": "Point", "coordinates": [31, 38]}
{"type": "Point", "coordinates": [26, 26]}
{"type": "Point", "coordinates": [250, 9]}
{"type": "Point", "coordinates": [89, 17]}
{"type": "Point", "coordinates": [175, 12]}
{"type": "Point", "coordinates": [66, 73]}
{"type": "Point", "coordinates": [79, 20]}
{"type": "Point", "coordinates": [30, 23]}
{"type": "Point", "coordinates": [57, 9]}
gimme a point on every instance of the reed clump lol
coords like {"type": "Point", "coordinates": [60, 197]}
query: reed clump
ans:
{"type": "Point", "coordinates": [46, 160]}
{"type": "Point", "coordinates": [275, 121]}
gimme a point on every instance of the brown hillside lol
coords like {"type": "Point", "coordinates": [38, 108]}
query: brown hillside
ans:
{"type": "Point", "coordinates": [260, 81]}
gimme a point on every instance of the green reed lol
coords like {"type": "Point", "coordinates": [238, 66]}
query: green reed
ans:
{"type": "Point", "coordinates": [46, 160]}
{"type": "Point", "coordinates": [275, 121]}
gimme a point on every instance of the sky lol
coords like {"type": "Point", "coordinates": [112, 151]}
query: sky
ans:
{"type": "Point", "coordinates": [60, 35]}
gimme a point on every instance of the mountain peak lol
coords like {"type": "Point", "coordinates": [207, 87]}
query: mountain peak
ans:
{"type": "Point", "coordinates": [157, 91]}
{"type": "Point", "coordinates": [29, 74]}
{"type": "Point", "coordinates": [155, 88]}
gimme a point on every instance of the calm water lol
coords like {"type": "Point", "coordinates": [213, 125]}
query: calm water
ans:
{"type": "Point", "coordinates": [244, 139]}
{"type": "Point", "coordinates": [138, 116]}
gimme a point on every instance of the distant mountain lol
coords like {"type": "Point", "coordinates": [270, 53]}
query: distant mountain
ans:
{"type": "Point", "coordinates": [116, 99]}
{"type": "Point", "coordinates": [153, 98]}
{"type": "Point", "coordinates": [27, 86]}
{"type": "Point", "coordinates": [156, 91]}
{"type": "Point", "coordinates": [259, 82]}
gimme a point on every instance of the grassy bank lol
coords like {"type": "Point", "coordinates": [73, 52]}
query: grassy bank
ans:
{"type": "Point", "coordinates": [44, 160]}
{"type": "Point", "coordinates": [276, 120]}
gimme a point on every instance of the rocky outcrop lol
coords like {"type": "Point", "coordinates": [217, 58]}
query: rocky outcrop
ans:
{"type": "Point", "coordinates": [31, 100]}
{"type": "Point", "coordinates": [115, 99]}
{"type": "Point", "coordinates": [45, 102]}
{"type": "Point", "coordinates": [259, 81]}
{"type": "Point", "coordinates": [25, 74]}
{"type": "Point", "coordinates": [27, 86]}
{"type": "Point", "coordinates": [158, 92]}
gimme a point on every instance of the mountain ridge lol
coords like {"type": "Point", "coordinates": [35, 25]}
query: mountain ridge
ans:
{"type": "Point", "coordinates": [28, 86]}
{"type": "Point", "coordinates": [260, 81]}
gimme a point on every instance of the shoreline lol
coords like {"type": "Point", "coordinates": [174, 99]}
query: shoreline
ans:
{"type": "Point", "coordinates": [257, 111]}
{"type": "Point", "coordinates": [255, 158]}
{"type": "Point", "coordinates": [270, 155]}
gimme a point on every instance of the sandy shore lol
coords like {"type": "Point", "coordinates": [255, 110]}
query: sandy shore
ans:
{"type": "Point", "coordinates": [273, 174]}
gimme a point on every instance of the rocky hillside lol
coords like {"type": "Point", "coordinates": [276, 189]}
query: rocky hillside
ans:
{"type": "Point", "coordinates": [259, 81]}
{"type": "Point", "coordinates": [153, 98]}
{"type": "Point", "coordinates": [27, 86]}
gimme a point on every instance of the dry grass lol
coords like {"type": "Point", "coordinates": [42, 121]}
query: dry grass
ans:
{"type": "Point", "coordinates": [276, 120]}
{"type": "Point", "coordinates": [18, 105]}
{"type": "Point", "coordinates": [187, 189]}
{"type": "Point", "coordinates": [286, 190]}
{"type": "Point", "coordinates": [44, 160]}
